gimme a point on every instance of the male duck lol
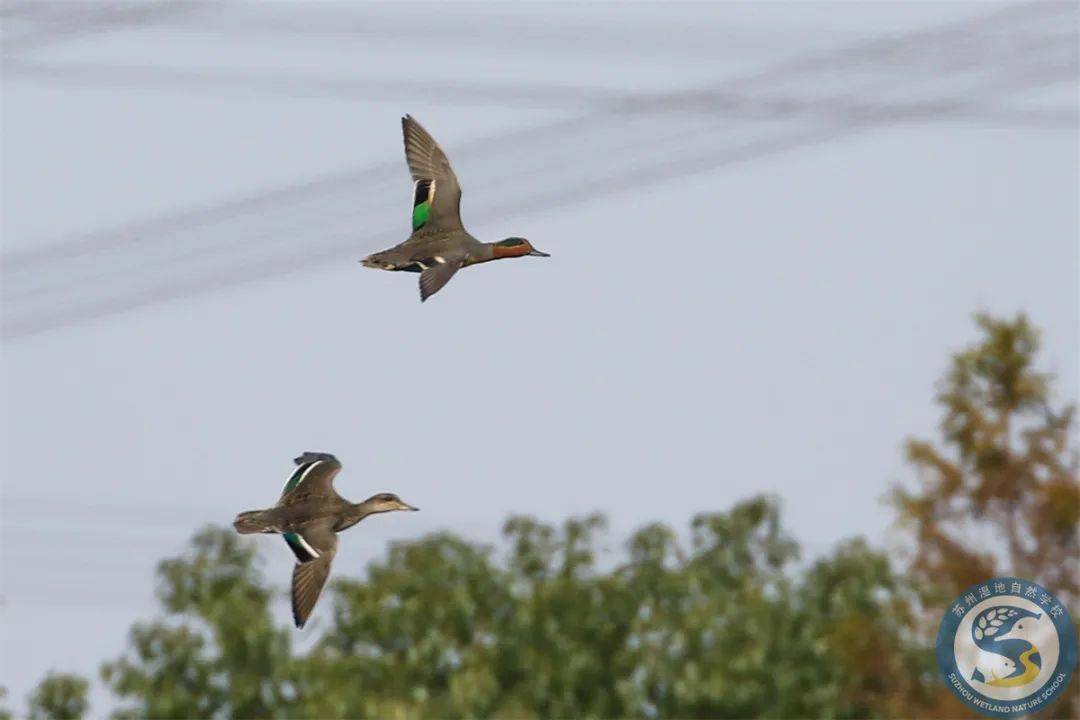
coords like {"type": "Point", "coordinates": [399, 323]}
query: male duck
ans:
{"type": "Point", "coordinates": [439, 245]}
{"type": "Point", "coordinates": [309, 514]}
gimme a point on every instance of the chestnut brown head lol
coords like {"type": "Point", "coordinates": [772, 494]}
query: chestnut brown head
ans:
{"type": "Point", "coordinates": [516, 247]}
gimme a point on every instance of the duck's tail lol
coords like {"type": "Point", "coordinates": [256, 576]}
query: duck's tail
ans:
{"type": "Point", "coordinates": [377, 261]}
{"type": "Point", "coordinates": [254, 521]}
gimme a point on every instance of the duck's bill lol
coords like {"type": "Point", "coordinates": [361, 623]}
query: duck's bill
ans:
{"type": "Point", "coordinates": [537, 253]}
{"type": "Point", "coordinates": [407, 506]}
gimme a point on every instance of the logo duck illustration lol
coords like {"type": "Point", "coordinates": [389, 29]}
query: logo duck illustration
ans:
{"type": "Point", "coordinates": [1003, 635]}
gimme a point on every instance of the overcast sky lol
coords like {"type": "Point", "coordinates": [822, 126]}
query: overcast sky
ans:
{"type": "Point", "coordinates": [769, 227]}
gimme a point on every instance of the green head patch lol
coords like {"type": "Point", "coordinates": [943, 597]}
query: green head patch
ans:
{"type": "Point", "coordinates": [512, 242]}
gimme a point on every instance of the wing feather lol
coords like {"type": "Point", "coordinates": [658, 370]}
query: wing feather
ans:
{"type": "Point", "coordinates": [438, 274]}
{"type": "Point", "coordinates": [309, 578]}
{"type": "Point", "coordinates": [437, 195]}
{"type": "Point", "coordinates": [313, 477]}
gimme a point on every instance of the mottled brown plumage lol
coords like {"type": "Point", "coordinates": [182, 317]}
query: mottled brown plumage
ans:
{"type": "Point", "coordinates": [309, 515]}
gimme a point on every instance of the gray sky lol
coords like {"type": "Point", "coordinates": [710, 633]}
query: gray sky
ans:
{"type": "Point", "coordinates": [769, 227]}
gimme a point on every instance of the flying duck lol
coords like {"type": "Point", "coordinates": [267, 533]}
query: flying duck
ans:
{"type": "Point", "coordinates": [439, 245]}
{"type": "Point", "coordinates": [309, 515]}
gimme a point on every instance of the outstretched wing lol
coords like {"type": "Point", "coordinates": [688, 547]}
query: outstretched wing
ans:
{"type": "Point", "coordinates": [309, 575]}
{"type": "Point", "coordinates": [438, 273]}
{"type": "Point", "coordinates": [313, 477]}
{"type": "Point", "coordinates": [436, 194]}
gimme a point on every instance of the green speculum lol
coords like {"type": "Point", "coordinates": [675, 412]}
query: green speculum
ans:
{"type": "Point", "coordinates": [297, 474]}
{"type": "Point", "coordinates": [297, 546]}
{"type": "Point", "coordinates": [420, 215]}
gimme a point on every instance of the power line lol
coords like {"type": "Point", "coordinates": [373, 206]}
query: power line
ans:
{"type": "Point", "coordinates": [864, 112]}
{"type": "Point", "coordinates": [664, 163]}
{"type": "Point", "coordinates": [457, 30]}
{"type": "Point", "coordinates": [293, 206]}
{"type": "Point", "coordinates": [246, 82]}
{"type": "Point", "coordinates": [324, 211]}
{"type": "Point", "coordinates": [78, 20]}
{"type": "Point", "coordinates": [720, 97]}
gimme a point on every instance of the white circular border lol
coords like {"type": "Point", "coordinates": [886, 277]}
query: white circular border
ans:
{"type": "Point", "coordinates": [1046, 639]}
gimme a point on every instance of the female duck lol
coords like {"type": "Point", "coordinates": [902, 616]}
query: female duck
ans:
{"type": "Point", "coordinates": [309, 515]}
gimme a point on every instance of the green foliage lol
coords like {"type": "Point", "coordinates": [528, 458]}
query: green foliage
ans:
{"type": "Point", "coordinates": [5, 714]}
{"type": "Point", "coordinates": [219, 652]}
{"type": "Point", "coordinates": [861, 620]}
{"type": "Point", "coordinates": [441, 628]}
{"type": "Point", "coordinates": [415, 635]}
{"type": "Point", "coordinates": [717, 622]}
{"type": "Point", "coordinates": [59, 697]}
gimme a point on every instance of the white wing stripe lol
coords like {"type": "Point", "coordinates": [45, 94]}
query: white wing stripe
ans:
{"type": "Point", "coordinates": [303, 474]}
{"type": "Point", "coordinates": [307, 545]}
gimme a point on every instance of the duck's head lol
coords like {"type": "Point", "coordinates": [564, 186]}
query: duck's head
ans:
{"type": "Point", "coordinates": [516, 247]}
{"type": "Point", "coordinates": [1023, 625]}
{"type": "Point", "coordinates": [387, 502]}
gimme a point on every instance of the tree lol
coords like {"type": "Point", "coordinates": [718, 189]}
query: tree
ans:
{"type": "Point", "coordinates": [999, 494]}
{"type": "Point", "coordinates": [732, 631]}
{"type": "Point", "coordinates": [1005, 468]}
{"type": "Point", "coordinates": [725, 629]}
{"type": "Point", "coordinates": [441, 628]}
{"type": "Point", "coordinates": [220, 652]}
{"type": "Point", "coordinates": [713, 630]}
{"type": "Point", "coordinates": [861, 619]}
{"type": "Point", "coordinates": [5, 714]}
{"type": "Point", "coordinates": [414, 638]}
{"type": "Point", "coordinates": [726, 625]}
{"type": "Point", "coordinates": [59, 697]}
